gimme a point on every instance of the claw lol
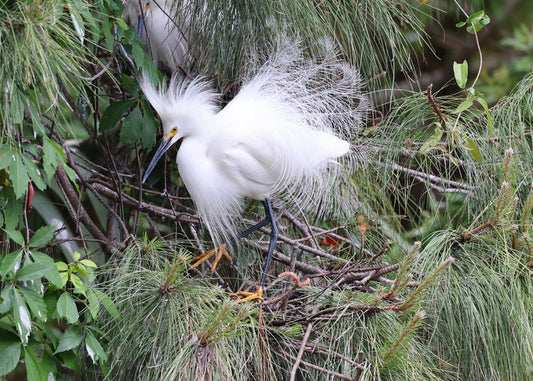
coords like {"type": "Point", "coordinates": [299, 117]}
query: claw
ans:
{"type": "Point", "coordinates": [220, 251]}
{"type": "Point", "coordinates": [249, 296]}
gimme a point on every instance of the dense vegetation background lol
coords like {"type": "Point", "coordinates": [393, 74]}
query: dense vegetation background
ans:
{"type": "Point", "coordinates": [429, 280]}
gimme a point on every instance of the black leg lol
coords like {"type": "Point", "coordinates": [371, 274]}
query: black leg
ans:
{"type": "Point", "coordinates": [273, 238]}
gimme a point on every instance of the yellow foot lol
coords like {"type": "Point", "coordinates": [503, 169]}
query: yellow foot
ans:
{"type": "Point", "coordinates": [220, 251]}
{"type": "Point", "coordinates": [248, 296]}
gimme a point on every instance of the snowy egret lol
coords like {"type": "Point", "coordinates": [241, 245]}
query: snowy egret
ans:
{"type": "Point", "coordinates": [286, 133]}
{"type": "Point", "coordinates": [165, 35]}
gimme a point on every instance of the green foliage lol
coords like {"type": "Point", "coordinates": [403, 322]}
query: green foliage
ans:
{"type": "Point", "coordinates": [34, 295]}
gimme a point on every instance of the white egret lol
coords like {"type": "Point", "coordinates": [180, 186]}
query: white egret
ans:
{"type": "Point", "coordinates": [286, 133]}
{"type": "Point", "coordinates": [165, 35]}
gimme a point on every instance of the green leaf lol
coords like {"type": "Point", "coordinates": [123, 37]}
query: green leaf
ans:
{"type": "Point", "coordinates": [113, 113]}
{"type": "Point", "coordinates": [52, 156]}
{"type": "Point", "coordinates": [460, 72]}
{"type": "Point", "coordinates": [149, 125]}
{"type": "Point", "coordinates": [431, 142]}
{"type": "Point", "coordinates": [32, 271]}
{"type": "Point", "coordinates": [17, 106]}
{"type": "Point", "coordinates": [48, 366]}
{"type": "Point", "coordinates": [473, 150]}
{"type": "Point", "coordinates": [107, 303]}
{"type": "Point", "coordinates": [132, 128]}
{"type": "Point", "coordinates": [16, 236]}
{"type": "Point", "coordinates": [66, 308]}
{"type": "Point", "coordinates": [35, 302]}
{"type": "Point", "coordinates": [52, 274]}
{"type": "Point", "coordinates": [78, 284]}
{"type": "Point", "coordinates": [10, 348]}
{"type": "Point", "coordinates": [34, 173]}
{"type": "Point", "coordinates": [70, 339]}
{"type": "Point", "coordinates": [22, 319]}
{"type": "Point", "coordinates": [69, 359]}
{"type": "Point", "coordinates": [62, 266]}
{"type": "Point", "coordinates": [12, 212]}
{"type": "Point", "coordinates": [475, 17]}
{"type": "Point", "coordinates": [88, 263]}
{"type": "Point", "coordinates": [33, 368]}
{"type": "Point", "coordinates": [18, 176]}
{"type": "Point", "coordinates": [76, 255]}
{"type": "Point", "coordinates": [94, 349]}
{"type": "Point", "coordinates": [38, 126]}
{"type": "Point", "coordinates": [485, 106]}
{"type": "Point", "coordinates": [7, 155]}
{"type": "Point", "coordinates": [11, 263]}
{"type": "Point", "coordinates": [469, 100]}
{"type": "Point", "coordinates": [94, 303]}
{"type": "Point", "coordinates": [7, 297]}
{"type": "Point", "coordinates": [42, 236]}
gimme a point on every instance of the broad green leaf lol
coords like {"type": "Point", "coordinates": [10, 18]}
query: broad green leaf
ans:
{"type": "Point", "coordinates": [17, 106]}
{"type": "Point", "coordinates": [431, 142]}
{"type": "Point", "coordinates": [94, 303]}
{"type": "Point", "coordinates": [52, 155]}
{"type": "Point", "coordinates": [48, 366]}
{"type": "Point", "coordinates": [22, 319]}
{"type": "Point", "coordinates": [88, 263]}
{"type": "Point", "coordinates": [35, 302]}
{"type": "Point", "coordinates": [113, 113]}
{"type": "Point", "coordinates": [52, 274]}
{"type": "Point", "coordinates": [70, 339]}
{"type": "Point", "coordinates": [32, 271]}
{"type": "Point", "coordinates": [66, 308]}
{"type": "Point", "coordinates": [149, 125]}
{"type": "Point", "coordinates": [94, 349]}
{"type": "Point", "coordinates": [33, 368]}
{"type": "Point", "coordinates": [42, 236]}
{"type": "Point", "coordinates": [12, 212]}
{"type": "Point", "coordinates": [473, 150]}
{"type": "Point", "coordinates": [10, 348]}
{"type": "Point", "coordinates": [485, 106]}
{"type": "Point", "coordinates": [81, 270]}
{"type": "Point", "coordinates": [76, 255]}
{"type": "Point", "coordinates": [69, 359]}
{"type": "Point", "coordinates": [16, 236]}
{"type": "Point", "coordinates": [18, 176]}
{"type": "Point", "coordinates": [7, 155]}
{"type": "Point", "coordinates": [460, 72]}
{"type": "Point", "coordinates": [11, 263]}
{"type": "Point", "coordinates": [107, 303]}
{"type": "Point", "coordinates": [38, 126]}
{"type": "Point", "coordinates": [132, 128]}
{"type": "Point", "coordinates": [34, 173]}
{"type": "Point", "coordinates": [7, 297]}
{"type": "Point", "coordinates": [475, 17]}
{"type": "Point", "coordinates": [62, 266]}
{"type": "Point", "coordinates": [78, 284]}
{"type": "Point", "coordinates": [469, 100]}
{"type": "Point", "coordinates": [64, 278]}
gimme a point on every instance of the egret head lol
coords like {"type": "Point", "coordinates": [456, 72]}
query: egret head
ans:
{"type": "Point", "coordinates": [169, 139]}
{"type": "Point", "coordinates": [185, 108]}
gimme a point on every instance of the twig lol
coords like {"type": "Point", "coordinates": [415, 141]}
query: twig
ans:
{"type": "Point", "coordinates": [316, 367]}
{"type": "Point", "coordinates": [78, 212]}
{"type": "Point", "coordinates": [469, 235]}
{"type": "Point", "coordinates": [301, 352]}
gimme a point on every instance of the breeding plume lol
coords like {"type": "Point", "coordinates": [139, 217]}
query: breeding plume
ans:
{"type": "Point", "coordinates": [285, 135]}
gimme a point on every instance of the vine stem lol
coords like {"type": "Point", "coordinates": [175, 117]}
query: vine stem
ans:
{"type": "Point", "coordinates": [477, 44]}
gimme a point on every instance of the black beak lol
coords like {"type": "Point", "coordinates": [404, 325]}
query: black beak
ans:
{"type": "Point", "coordinates": [163, 147]}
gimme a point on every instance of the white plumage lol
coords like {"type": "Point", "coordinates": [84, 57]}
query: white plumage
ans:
{"type": "Point", "coordinates": [282, 135]}
{"type": "Point", "coordinates": [165, 35]}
